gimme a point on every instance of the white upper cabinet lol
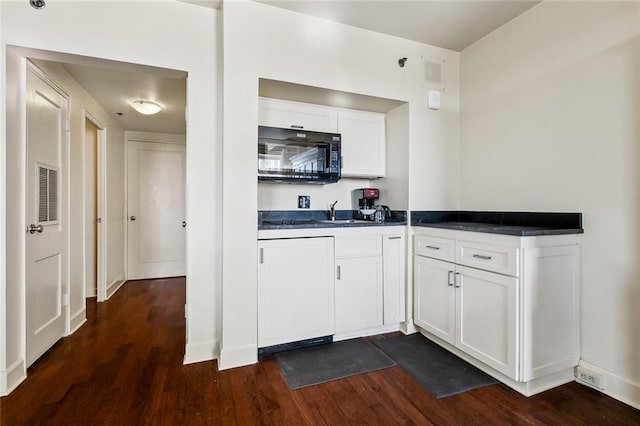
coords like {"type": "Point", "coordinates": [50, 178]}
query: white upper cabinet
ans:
{"type": "Point", "coordinates": [363, 143]}
{"type": "Point", "coordinates": [297, 115]}
{"type": "Point", "coordinates": [363, 132]}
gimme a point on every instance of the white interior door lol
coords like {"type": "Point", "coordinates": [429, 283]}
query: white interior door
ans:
{"type": "Point", "coordinates": [156, 209]}
{"type": "Point", "coordinates": [46, 235]}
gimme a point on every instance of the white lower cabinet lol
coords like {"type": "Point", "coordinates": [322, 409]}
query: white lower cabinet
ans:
{"type": "Point", "coordinates": [522, 322]}
{"type": "Point", "coordinates": [346, 282]}
{"type": "Point", "coordinates": [435, 300]}
{"type": "Point", "coordinates": [358, 282]}
{"type": "Point", "coordinates": [295, 290]}
{"type": "Point", "coordinates": [486, 317]}
{"type": "Point", "coordinates": [358, 293]}
{"type": "Point", "coordinates": [394, 298]}
{"type": "Point", "coordinates": [471, 309]}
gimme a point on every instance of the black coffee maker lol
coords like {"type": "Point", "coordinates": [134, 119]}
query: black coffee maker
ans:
{"type": "Point", "coordinates": [365, 207]}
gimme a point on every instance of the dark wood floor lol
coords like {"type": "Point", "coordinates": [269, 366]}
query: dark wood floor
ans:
{"type": "Point", "coordinates": [124, 367]}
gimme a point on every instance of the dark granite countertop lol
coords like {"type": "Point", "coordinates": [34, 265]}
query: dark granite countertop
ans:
{"type": "Point", "coordinates": [296, 219]}
{"type": "Point", "coordinates": [523, 224]}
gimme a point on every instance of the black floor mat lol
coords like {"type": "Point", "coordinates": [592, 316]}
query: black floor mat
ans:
{"type": "Point", "coordinates": [438, 370]}
{"type": "Point", "coordinates": [318, 364]}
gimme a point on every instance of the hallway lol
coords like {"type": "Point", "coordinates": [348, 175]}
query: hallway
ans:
{"type": "Point", "coordinates": [124, 367]}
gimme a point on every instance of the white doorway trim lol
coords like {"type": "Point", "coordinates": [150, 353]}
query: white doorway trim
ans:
{"type": "Point", "coordinates": [101, 177]}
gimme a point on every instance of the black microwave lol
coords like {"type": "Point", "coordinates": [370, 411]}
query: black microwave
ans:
{"type": "Point", "coordinates": [298, 156]}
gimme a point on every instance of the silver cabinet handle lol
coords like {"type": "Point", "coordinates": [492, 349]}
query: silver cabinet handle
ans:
{"type": "Point", "coordinates": [458, 280]}
{"type": "Point", "coordinates": [261, 255]}
{"type": "Point", "coordinates": [395, 238]}
{"type": "Point", "coordinates": [297, 126]}
{"type": "Point", "coordinates": [433, 247]}
{"type": "Point", "coordinates": [479, 256]}
{"type": "Point", "coordinates": [449, 279]}
{"type": "Point", "coordinates": [33, 228]}
{"type": "Point", "coordinates": [132, 218]}
{"type": "Point", "coordinates": [338, 272]}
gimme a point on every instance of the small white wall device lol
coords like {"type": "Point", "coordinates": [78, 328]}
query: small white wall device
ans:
{"type": "Point", "coordinates": [433, 99]}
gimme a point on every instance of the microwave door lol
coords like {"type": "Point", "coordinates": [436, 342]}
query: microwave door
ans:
{"type": "Point", "coordinates": [291, 159]}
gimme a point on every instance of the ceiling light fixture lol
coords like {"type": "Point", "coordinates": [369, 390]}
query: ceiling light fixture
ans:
{"type": "Point", "coordinates": [146, 107]}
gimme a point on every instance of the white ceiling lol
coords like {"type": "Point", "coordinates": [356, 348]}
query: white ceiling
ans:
{"type": "Point", "coordinates": [317, 95]}
{"type": "Point", "coordinates": [115, 87]}
{"type": "Point", "coordinates": [450, 24]}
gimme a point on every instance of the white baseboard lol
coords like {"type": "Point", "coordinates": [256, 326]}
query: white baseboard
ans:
{"type": "Point", "coordinates": [115, 285]}
{"type": "Point", "coordinates": [615, 386]}
{"type": "Point", "coordinates": [90, 292]}
{"type": "Point", "coordinates": [77, 320]}
{"type": "Point", "coordinates": [201, 351]}
{"type": "Point", "coordinates": [408, 327]}
{"type": "Point", "coordinates": [10, 379]}
{"type": "Point", "coordinates": [238, 357]}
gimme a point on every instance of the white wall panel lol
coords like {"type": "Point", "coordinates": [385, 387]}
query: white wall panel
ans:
{"type": "Point", "coordinates": [184, 38]}
{"type": "Point", "coordinates": [262, 41]}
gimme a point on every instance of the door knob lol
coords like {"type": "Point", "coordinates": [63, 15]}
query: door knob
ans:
{"type": "Point", "coordinates": [33, 228]}
{"type": "Point", "coordinates": [132, 218]}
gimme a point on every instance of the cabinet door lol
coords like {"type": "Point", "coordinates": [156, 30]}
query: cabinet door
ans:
{"type": "Point", "coordinates": [358, 293]}
{"type": "Point", "coordinates": [363, 143]}
{"type": "Point", "coordinates": [487, 323]}
{"type": "Point", "coordinates": [434, 297]}
{"type": "Point", "coordinates": [394, 277]}
{"type": "Point", "coordinates": [296, 115]}
{"type": "Point", "coordinates": [295, 290]}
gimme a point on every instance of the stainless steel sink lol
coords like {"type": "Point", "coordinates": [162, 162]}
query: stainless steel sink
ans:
{"type": "Point", "coordinates": [343, 221]}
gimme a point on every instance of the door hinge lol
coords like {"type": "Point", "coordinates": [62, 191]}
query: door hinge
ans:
{"type": "Point", "coordinates": [186, 311]}
{"type": "Point", "coordinates": [65, 299]}
{"type": "Point", "coordinates": [67, 125]}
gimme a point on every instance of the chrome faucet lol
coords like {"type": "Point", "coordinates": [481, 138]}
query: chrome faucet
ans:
{"type": "Point", "coordinates": [332, 210]}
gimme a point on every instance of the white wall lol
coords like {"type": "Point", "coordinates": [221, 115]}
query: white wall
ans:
{"type": "Point", "coordinates": [3, 209]}
{"type": "Point", "coordinates": [262, 41]}
{"type": "Point", "coordinates": [394, 188]}
{"type": "Point", "coordinates": [550, 120]}
{"type": "Point", "coordinates": [184, 38]}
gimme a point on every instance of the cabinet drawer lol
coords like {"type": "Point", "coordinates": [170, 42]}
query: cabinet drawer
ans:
{"type": "Point", "coordinates": [501, 259]}
{"type": "Point", "coordinates": [362, 245]}
{"type": "Point", "coordinates": [437, 248]}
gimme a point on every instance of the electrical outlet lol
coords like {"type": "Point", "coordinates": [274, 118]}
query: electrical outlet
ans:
{"type": "Point", "coordinates": [304, 201]}
{"type": "Point", "coordinates": [589, 378]}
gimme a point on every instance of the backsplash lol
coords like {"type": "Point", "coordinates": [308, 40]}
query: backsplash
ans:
{"type": "Point", "coordinates": [280, 196]}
